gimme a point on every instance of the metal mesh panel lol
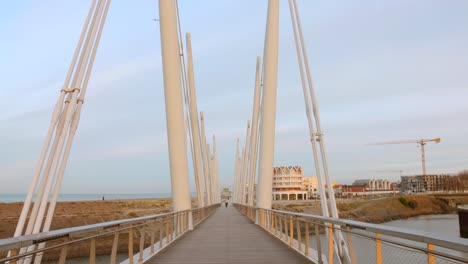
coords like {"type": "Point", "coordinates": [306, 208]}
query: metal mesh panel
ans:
{"type": "Point", "coordinates": [361, 241]}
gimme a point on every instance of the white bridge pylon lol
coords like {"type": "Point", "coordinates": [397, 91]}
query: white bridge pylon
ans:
{"type": "Point", "coordinates": [179, 83]}
{"type": "Point", "coordinates": [245, 164]}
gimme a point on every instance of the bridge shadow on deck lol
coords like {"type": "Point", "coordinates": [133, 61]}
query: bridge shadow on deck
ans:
{"type": "Point", "coordinates": [228, 237]}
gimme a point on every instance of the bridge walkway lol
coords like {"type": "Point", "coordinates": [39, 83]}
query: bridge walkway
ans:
{"type": "Point", "coordinates": [228, 237]}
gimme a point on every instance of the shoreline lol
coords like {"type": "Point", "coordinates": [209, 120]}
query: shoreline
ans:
{"type": "Point", "coordinates": [97, 200]}
{"type": "Point", "coordinates": [381, 210]}
{"type": "Point", "coordinates": [77, 197]}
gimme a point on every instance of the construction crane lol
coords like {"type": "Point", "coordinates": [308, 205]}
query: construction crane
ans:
{"type": "Point", "coordinates": [421, 142]}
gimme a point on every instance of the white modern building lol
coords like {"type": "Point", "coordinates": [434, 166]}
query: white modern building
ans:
{"type": "Point", "coordinates": [288, 183]}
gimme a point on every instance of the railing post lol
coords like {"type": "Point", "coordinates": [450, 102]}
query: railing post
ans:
{"type": "Point", "coordinates": [142, 246]}
{"type": "Point", "coordinates": [280, 224]}
{"type": "Point", "coordinates": [115, 245]}
{"type": "Point", "coordinates": [291, 231]}
{"type": "Point", "coordinates": [319, 243]}
{"type": "Point", "coordinates": [173, 226]}
{"type": "Point", "coordinates": [152, 239]}
{"type": "Point", "coordinates": [168, 237]}
{"type": "Point", "coordinates": [286, 231]}
{"type": "Point", "coordinates": [276, 224]}
{"type": "Point", "coordinates": [161, 230]}
{"type": "Point", "coordinates": [183, 222]}
{"type": "Point", "coordinates": [378, 249]}
{"type": "Point", "coordinates": [63, 255]}
{"type": "Point", "coordinates": [130, 245]}
{"type": "Point", "coordinates": [350, 245]}
{"type": "Point", "coordinates": [299, 240]}
{"type": "Point", "coordinates": [180, 224]}
{"type": "Point", "coordinates": [172, 230]}
{"type": "Point", "coordinates": [187, 220]}
{"type": "Point", "coordinates": [331, 253]}
{"type": "Point", "coordinates": [92, 251]}
{"type": "Point", "coordinates": [431, 259]}
{"type": "Point", "coordinates": [306, 252]}
{"type": "Point", "coordinates": [13, 252]}
{"type": "Point", "coordinates": [272, 221]}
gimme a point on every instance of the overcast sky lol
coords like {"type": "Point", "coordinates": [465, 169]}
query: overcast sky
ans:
{"type": "Point", "coordinates": [383, 70]}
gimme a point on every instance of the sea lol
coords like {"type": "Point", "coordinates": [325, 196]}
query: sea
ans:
{"type": "Point", "coordinates": [13, 198]}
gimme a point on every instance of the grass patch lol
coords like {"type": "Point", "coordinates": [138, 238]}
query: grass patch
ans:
{"type": "Point", "coordinates": [403, 201]}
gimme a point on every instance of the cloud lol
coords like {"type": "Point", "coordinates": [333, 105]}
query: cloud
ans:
{"type": "Point", "coordinates": [382, 71]}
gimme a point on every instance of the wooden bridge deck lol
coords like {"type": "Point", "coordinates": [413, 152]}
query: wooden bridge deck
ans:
{"type": "Point", "coordinates": [228, 237]}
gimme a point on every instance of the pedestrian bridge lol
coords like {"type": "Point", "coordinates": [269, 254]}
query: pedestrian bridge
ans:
{"type": "Point", "coordinates": [230, 235]}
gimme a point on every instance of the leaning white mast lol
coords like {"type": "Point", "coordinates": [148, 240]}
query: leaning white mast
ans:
{"type": "Point", "coordinates": [65, 118]}
{"type": "Point", "coordinates": [206, 170]}
{"type": "Point", "coordinates": [316, 135]}
{"type": "Point", "coordinates": [197, 159]}
{"type": "Point", "coordinates": [254, 133]}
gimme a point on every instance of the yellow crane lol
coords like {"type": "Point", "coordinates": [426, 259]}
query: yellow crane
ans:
{"type": "Point", "coordinates": [421, 142]}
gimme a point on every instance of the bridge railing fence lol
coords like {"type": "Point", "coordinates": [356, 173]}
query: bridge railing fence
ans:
{"type": "Point", "coordinates": [361, 242]}
{"type": "Point", "coordinates": [122, 241]}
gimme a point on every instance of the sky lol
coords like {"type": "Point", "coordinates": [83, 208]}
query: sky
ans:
{"type": "Point", "coordinates": [383, 71]}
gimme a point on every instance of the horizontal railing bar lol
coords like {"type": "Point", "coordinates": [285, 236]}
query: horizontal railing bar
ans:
{"type": "Point", "coordinates": [338, 224]}
{"type": "Point", "coordinates": [404, 245]}
{"type": "Point", "coordinates": [24, 241]}
{"type": "Point", "coordinates": [454, 243]}
{"type": "Point", "coordinates": [28, 240]}
{"type": "Point", "coordinates": [319, 220]}
{"type": "Point", "coordinates": [83, 239]}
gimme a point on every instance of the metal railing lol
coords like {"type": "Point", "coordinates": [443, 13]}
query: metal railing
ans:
{"type": "Point", "coordinates": [122, 241]}
{"type": "Point", "coordinates": [367, 243]}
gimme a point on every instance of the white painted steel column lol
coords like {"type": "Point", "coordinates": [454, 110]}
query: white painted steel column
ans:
{"type": "Point", "coordinates": [215, 174]}
{"type": "Point", "coordinates": [242, 178]}
{"type": "Point", "coordinates": [205, 157]}
{"type": "Point", "coordinates": [268, 113]}
{"type": "Point", "coordinates": [215, 169]}
{"type": "Point", "coordinates": [194, 124]}
{"type": "Point", "coordinates": [240, 173]}
{"type": "Point", "coordinates": [246, 162]}
{"type": "Point", "coordinates": [254, 133]}
{"type": "Point", "coordinates": [210, 172]}
{"type": "Point", "coordinates": [236, 174]}
{"type": "Point", "coordinates": [181, 199]}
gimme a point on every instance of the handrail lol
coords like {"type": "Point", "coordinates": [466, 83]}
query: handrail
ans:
{"type": "Point", "coordinates": [28, 240]}
{"type": "Point", "coordinates": [288, 227]}
{"type": "Point", "coordinates": [454, 243]}
{"type": "Point", "coordinates": [170, 226]}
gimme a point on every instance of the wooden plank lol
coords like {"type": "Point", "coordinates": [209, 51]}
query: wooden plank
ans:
{"type": "Point", "coordinates": [228, 237]}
